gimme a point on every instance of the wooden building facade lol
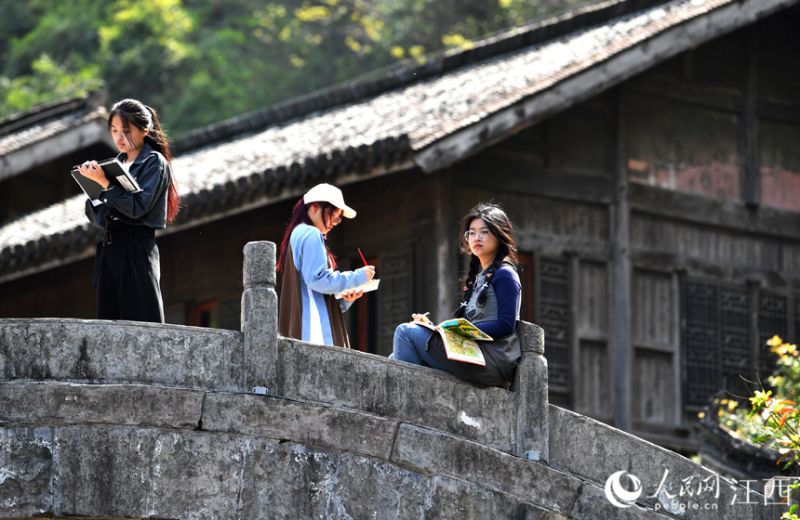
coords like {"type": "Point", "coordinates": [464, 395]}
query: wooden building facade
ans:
{"type": "Point", "coordinates": [646, 151]}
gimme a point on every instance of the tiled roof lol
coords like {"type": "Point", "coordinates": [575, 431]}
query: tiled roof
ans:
{"type": "Point", "coordinates": [225, 166]}
{"type": "Point", "coordinates": [21, 130]}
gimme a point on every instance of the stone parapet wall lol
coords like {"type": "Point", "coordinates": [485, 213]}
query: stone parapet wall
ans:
{"type": "Point", "coordinates": [97, 351]}
{"type": "Point", "coordinates": [111, 353]}
{"type": "Point", "coordinates": [592, 451]}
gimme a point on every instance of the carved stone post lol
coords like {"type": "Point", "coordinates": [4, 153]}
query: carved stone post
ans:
{"type": "Point", "coordinates": [532, 403]}
{"type": "Point", "coordinates": [260, 319]}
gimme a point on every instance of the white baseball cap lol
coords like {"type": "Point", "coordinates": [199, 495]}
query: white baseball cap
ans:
{"type": "Point", "coordinates": [328, 193]}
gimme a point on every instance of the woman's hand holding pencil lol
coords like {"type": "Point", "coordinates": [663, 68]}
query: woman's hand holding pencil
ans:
{"type": "Point", "coordinates": [370, 269]}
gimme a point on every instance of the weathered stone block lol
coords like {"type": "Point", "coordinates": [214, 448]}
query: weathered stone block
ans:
{"type": "Point", "coordinates": [414, 394]}
{"type": "Point", "coordinates": [606, 450]}
{"type": "Point", "coordinates": [592, 504]}
{"type": "Point", "coordinates": [531, 337]}
{"type": "Point", "coordinates": [259, 264]}
{"type": "Point", "coordinates": [26, 472]}
{"type": "Point", "coordinates": [437, 453]}
{"type": "Point", "coordinates": [120, 352]}
{"type": "Point", "coordinates": [260, 333]}
{"type": "Point", "coordinates": [305, 423]}
{"type": "Point", "coordinates": [137, 472]}
{"type": "Point", "coordinates": [319, 484]}
{"type": "Point", "coordinates": [66, 403]}
{"type": "Point", "coordinates": [532, 407]}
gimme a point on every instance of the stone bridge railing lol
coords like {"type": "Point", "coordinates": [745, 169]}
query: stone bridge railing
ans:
{"type": "Point", "coordinates": [123, 419]}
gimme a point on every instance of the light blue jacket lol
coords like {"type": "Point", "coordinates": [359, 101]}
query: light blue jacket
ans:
{"type": "Point", "coordinates": [318, 279]}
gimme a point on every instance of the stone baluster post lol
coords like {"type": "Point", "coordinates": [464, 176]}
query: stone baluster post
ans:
{"type": "Point", "coordinates": [531, 389]}
{"type": "Point", "coordinates": [260, 319]}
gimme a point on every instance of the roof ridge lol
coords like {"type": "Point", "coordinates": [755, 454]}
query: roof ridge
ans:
{"type": "Point", "coordinates": [405, 73]}
{"type": "Point", "coordinates": [18, 120]}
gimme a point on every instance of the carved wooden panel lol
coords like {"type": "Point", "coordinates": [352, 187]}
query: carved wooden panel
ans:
{"type": "Point", "coordinates": [654, 387]}
{"type": "Point", "coordinates": [393, 299]}
{"type": "Point", "coordinates": [554, 318]}
{"type": "Point", "coordinates": [653, 311]}
{"type": "Point", "coordinates": [593, 392]}
{"type": "Point", "coordinates": [772, 320]}
{"type": "Point", "coordinates": [592, 316]}
{"type": "Point", "coordinates": [700, 341]}
{"type": "Point", "coordinates": [735, 342]}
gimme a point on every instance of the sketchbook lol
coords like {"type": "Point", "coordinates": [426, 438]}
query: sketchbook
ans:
{"type": "Point", "coordinates": [370, 286]}
{"type": "Point", "coordinates": [460, 338]}
{"type": "Point", "coordinates": [116, 174]}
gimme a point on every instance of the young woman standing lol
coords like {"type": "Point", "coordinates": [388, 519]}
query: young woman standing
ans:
{"type": "Point", "coordinates": [492, 299]}
{"type": "Point", "coordinates": [127, 270]}
{"type": "Point", "coordinates": [308, 309]}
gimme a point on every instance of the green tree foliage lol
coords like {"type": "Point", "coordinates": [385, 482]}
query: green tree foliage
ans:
{"type": "Point", "coordinates": [200, 61]}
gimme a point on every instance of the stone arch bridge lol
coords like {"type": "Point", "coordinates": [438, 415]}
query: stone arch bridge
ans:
{"type": "Point", "coordinates": [128, 420]}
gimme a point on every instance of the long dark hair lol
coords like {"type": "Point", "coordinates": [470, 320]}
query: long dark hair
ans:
{"type": "Point", "coordinates": [300, 216]}
{"type": "Point", "coordinates": [501, 227]}
{"type": "Point", "coordinates": [134, 112]}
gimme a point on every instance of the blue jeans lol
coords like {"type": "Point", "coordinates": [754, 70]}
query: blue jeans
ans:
{"type": "Point", "coordinates": [409, 346]}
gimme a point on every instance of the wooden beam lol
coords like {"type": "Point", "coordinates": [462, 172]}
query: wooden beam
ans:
{"type": "Point", "coordinates": [575, 289]}
{"type": "Point", "coordinates": [523, 180]}
{"type": "Point", "coordinates": [445, 224]}
{"type": "Point", "coordinates": [643, 199]}
{"type": "Point", "coordinates": [703, 97]}
{"type": "Point", "coordinates": [620, 347]}
{"type": "Point", "coordinates": [691, 95]}
{"type": "Point", "coordinates": [749, 145]}
{"type": "Point", "coordinates": [706, 211]}
{"type": "Point", "coordinates": [677, 355]}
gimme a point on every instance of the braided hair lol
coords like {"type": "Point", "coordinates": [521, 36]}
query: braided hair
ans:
{"type": "Point", "coordinates": [501, 227]}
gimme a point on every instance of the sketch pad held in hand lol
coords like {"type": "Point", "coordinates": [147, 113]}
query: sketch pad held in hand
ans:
{"type": "Point", "coordinates": [371, 285]}
{"type": "Point", "coordinates": [116, 174]}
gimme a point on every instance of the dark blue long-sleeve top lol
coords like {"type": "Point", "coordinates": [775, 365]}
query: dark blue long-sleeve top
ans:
{"type": "Point", "coordinates": [145, 208]}
{"type": "Point", "coordinates": [498, 314]}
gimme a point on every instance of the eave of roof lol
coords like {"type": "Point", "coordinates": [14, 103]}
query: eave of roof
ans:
{"type": "Point", "coordinates": [430, 122]}
{"type": "Point", "coordinates": [30, 138]}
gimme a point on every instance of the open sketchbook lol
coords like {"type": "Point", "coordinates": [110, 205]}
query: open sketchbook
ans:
{"type": "Point", "coordinates": [371, 285]}
{"type": "Point", "coordinates": [460, 338]}
{"type": "Point", "coordinates": [116, 174]}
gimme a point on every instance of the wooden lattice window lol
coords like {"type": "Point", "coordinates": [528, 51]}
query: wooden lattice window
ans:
{"type": "Point", "coordinates": [701, 341]}
{"type": "Point", "coordinates": [376, 314]}
{"type": "Point", "coordinates": [772, 319]}
{"type": "Point", "coordinates": [735, 347]}
{"type": "Point", "coordinates": [718, 337]}
{"type": "Point", "coordinates": [553, 316]}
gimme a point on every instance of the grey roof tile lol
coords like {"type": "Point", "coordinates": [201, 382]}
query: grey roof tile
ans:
{"type": "Point", "coordinates": [20, 130]}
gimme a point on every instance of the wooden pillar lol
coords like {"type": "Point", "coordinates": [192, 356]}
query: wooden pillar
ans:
{"type": "Point", "coordinates": [749, 128]}
{"type": "Point", "coordinates": [446, 231]}
{"type": "Point", "coordinates": [620, 348]}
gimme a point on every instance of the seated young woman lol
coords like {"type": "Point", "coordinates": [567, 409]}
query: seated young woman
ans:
{"type": "Point", "coordinates": [492, 299]}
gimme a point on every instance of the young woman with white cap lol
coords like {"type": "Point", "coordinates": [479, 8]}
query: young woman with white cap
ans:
{"type": "Point", "coordinates": [308, 309]}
